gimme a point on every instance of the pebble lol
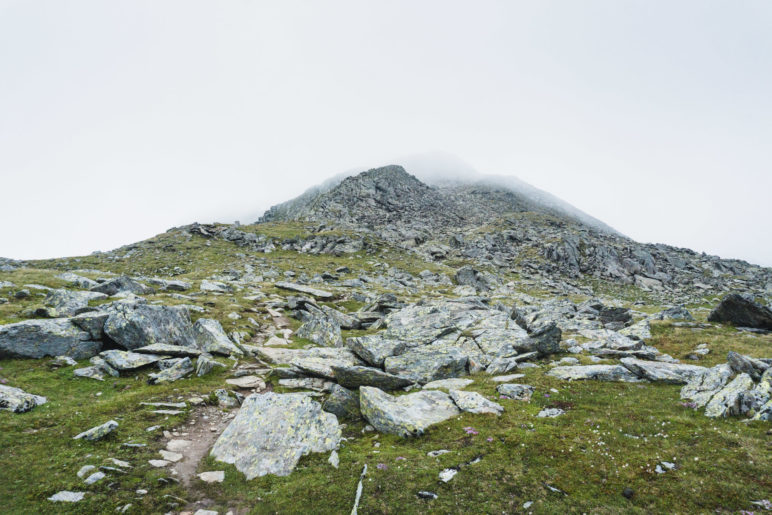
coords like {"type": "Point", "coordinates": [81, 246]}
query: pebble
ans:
{"type": "Point", "coordinates": [158, 463]}
{"type": "Point", "coordinates": [67, 496]}
{"type": "Point", "coordinates": [174, 457]}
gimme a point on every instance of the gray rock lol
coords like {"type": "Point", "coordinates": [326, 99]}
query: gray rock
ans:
{"type": "Point", "coordinates": [90, 372]}
{"type": "Point", "coordinates": [658, 371]}
{"type": "Point", "coordinates": [374, 348]}
{"type": "Point", "coordinates": [354, 377]}
{"type": "Point", "coordinates": [519, 392]}
{"type": "Point", "coordinates": [741, 310]}
{"type": "Point", "coordinates": [41, 338]}
{"type": "Point", "coordinates": [93, 322]}
{"type": "Point", "coordinates": [448, 384]}
{"type": "Point", "coordinates": [62, 361]}
{"type": "Point", "coordinates": [727, 401]}
{"type": "Point", "coordinates": [67, 496]}
{"type": "Point", "coordinates": [473, 402]}
{"type": "Point", "coordinates": [747, 365]}
{"type": "Point", "coordinates": [273, 431]}
{"type": "Point", "coordinates": [122, 284]}
{"type": "Point", "coordinates": [77, 280]}
{"type": "Point", "coordinates": [103, 366]}
{"type": "Point", "coordinates": [98, 432]}
{"type": "Point", "coordinates": [674, 313]}
{"type": "Point", "coordinates": [343, 403]}
{"type": "Point", "coordinates": [134, 325]}
{"type": "Point", "coordinates": [406, 415]}
{"type": "Point", "coordinates": [468, 276]}
{"type": "Point", "coordinates": [17, 400]}
{"type": "Point", "coordinates": [550, 413]}
{"type": "Point", "coordinates": [423, 365]}
{"type": "Point", "coordinates": [204, 365]}
{"type": "Point", "coordinates": [215, 287]}
{"type": "Point", "coordinates": [127, 360]}
{"type": "Point", "coordinates": [319, 294]}
{"type": "Point", "coordinates": [596, 372]}
{"type": "Point", "coordinates": [180, 369]}
{"type": "Point", "coordinates": [211, 337]}
{"type": "Point", "coordinates": [168, 350]}
{"type": "Point", "coordinates": [322, 331]}
{"type": "Point", "coordinates": [95, 477]}
{"type": "Point", "coordinates": [70, 302]}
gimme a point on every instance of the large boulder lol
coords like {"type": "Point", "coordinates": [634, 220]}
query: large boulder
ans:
{"type": "Point", "coordinates": [17, 400]}
{"type": "Point", "coordinates": [126, 360]}
{"type": "Point", "coordinates": [425, 364]}
{"type": "Point", "coordinates": [273, 431]}
{"type": "Point", "coordinates": [741, 310]}
{"type": "Point", "coordinates": [374, 348]}
{"type": "Point", "coordinates": [322, 331]}
{"type": "Point", "coordinates": [354, 377]}
{"type": "Point", "coordinates": [71, 302]}
{"type": "Point", "coordinates": [40, 338]}
{"type": "Point", "coordinates": [700, 389]}
{"type": "Point", "coordinates": [406, 415]}
{"type": "Point", "coordinates": [122, 284]}
{"type": "Point", "coordinates": [210, 337]}
{"type": "Point", "coordinates": [727, 401]}
{"type": "Point", "coordinates": [659, 371]}
{"type": "Point", "coordinates": [746, 364]}
{"type": "Point", "coordinates": [343, 403]}
{"type": "Point", "coordinates": [134, 325]}
{"type": "Point", "coordinates": [596, 372]}
{"type": "Point", "coordinates": [480, 281]}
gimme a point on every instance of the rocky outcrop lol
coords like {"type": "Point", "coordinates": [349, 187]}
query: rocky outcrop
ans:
{"type": "Point", "coordinates": [41, 338]}
{"type": "Point", "coordinates": [273, 431]}
{"type": "Point", "coordinates": [134, 325]}
{"type": "Point", "coordinates": [121, 284]}
{"type": "Point", "coordinates": [595, 372]}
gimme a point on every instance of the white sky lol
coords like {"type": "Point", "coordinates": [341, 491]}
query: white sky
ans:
{"type": "Point", "coordinates": [120, 119]}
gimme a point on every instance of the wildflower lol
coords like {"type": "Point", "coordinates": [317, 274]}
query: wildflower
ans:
{"type": "Point", "coordinates": [381, 466]}
{"type": "Point", "coordinates": [490, 438]}
{"type": "Point", "coordinates": [401, 458]}
{"type": "Point", "coordinates": [471, 431]}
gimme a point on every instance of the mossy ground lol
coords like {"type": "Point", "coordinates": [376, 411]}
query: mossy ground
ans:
{"type": "Point", "coordinates": [611, 437]}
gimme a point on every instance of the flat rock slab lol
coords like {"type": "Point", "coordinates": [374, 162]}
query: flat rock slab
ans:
{"type": "Point", "coordinates": [374, 348]}
{"type": "Point", "coordinates": [246, 382]}
{"type": "Point", "coordinates": [214, 476]}
{"type": "Point", "coordinates": [406, 415]}
{"type": "Point", "coordinates": [322, 331]}
{"type": "Point", "coordinates": [127, 360]}
{"type": "Point", "coordinates": [273, 431]}
{"type": "Point", "coordinates": [71, 302]}
{"type": "Point", "coordinates": [354, 377]}
{"type": "Point", "coordinates": [726, 401]}
{"type": "Point", "coordinates": [702, 388]}
{"type": "Point", "coordinates": [180, 369]}
{"type": "Point", "coordinates": [98, 432]}
{"type": "Point", "coordinates": [658, 371]}
{"type": "Point", "coordinates": [17, 400]}
{"type": "Point", "coordinates": [169, 350]}
{"type": "Point", "coordinates": [427, 365]}
{"type": "Point", "coordinates": [519, 392]}
{"type": "Point", "coordinates": [449, 384]}
{"type": "Point", "coordinates": [319, 294]}
{"type": "Point", "coordinates": [507, 378]}
{"type": "Point", "coordinates": [67, 496]}
{"type": "Point", "coordinates": [596, 372]}
{"type": "Point", "coordinates": [473, 402]}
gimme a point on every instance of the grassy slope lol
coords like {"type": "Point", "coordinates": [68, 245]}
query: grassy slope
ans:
{"type": "Point", "coordinates": [612, 436]}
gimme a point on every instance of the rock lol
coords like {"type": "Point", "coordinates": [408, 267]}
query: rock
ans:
{"type": "Point", "coordinates": [62, 361]}
{"type": "Point", "coordinates": [426, 364]}
{"type": "Point", "coordinates": [172, 457]}
{"type": "Point", "coordinates": [727, 401]}
{"type": "Point", "coordinates": [658, 371]}
{"type": "Point", "coordinates": [448, 384]}
{"type": "Point", "coordinates": [319, 294]}
{"type": "Point", "coordinates": [447, 474]}
{"type": "Point", "coordinates": [85, 469]}
{"type": "Point", "coordinates": [468, 276]}
{"type": "Point", "coordinates": [169, 350]}
{"type": "Point", "coordinates": [544, 340]}
{"type": "Point", "coordinates": [93, 478]}
{"type": "Point", "coordinates": [127, 360]}
{"type": "Point", "coordinates": [506, 378]}
{"type": "Point", "coordinates": [121, 284]}
{"type": "Point", "coordinates": [159, 463]}
{"type": "Point", "coordinates": [741, 310]}
{"type": "Point", "coordinates": [746, 365]}
{"type": "Point", "coordinates": [407, 415]}
{"type": "Point", "coordinates": [550, 413]}
{"type": "Point", "coordinates": [210, 337]}
{"type": "Point", "coordinates": [247, 382]}
{"type": "Point", "coordinates": [518, 392]}
{"type": "Point", "coordinates": [702, 388]}
{"type": "Point", "coordinates": [343, 403]}
{"type": "Point", "coordinates": [181, 368]}
{"type": "Point", "coordinates": [77, 280]}
{"type": "Point", "coordinates": [322, 331]}
{"type": "Point", "coordinates": [596, 372]}
{"type": "Point", "coordinates": [628, 493]}
{"type": "Point", "coordinates": [273, 431]}
{"type": "Point", "coordinates": [103, 366]}
{"type": "Point", "coordinates": [334, 459]}
{"type": "Point", "coordinates": [41, 338]}
{"type": "Point", "coordinates": [354, 377]}
{"type": "Point", "coordinates": [133, 325]}
{"type": "Point", "coordinates": [17, 400]}
{"type": "Point", "coordinates": [204, 365]}
{"type": "Point", "coordinates": [93, 322]}
{"type": "Point", "coordinates": [423, 494]}
{"type": "Point", "coordinates": [374, 348]}
{"type": "Point", "coordinates": [98, 432]}
{"type": "Point", "coordinates": [170, 285]}
{"type": "Point", "coordinates": [638, 331]}
{"type": "Point", "coordinates": [674, 313]}
{"type": "Point", "coordinates": [67, 496]}
{"type": "Point", "coordinates": [228, 399]}
{"type": "Point", "coordinates": [215, 287]}
{"type": "Point", "coordinates": [70, 302]}
{"type": "Point", "coordinates": [473, 402]}
{"type": "Point", "coordinates": [214, 476]}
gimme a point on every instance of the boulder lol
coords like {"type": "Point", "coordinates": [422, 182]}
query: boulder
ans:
{"type": "Point", "coordinates": [122, 284]}
{"type": "Point", "coordinates": [322, 331]}
{"type": "Point", "coordinates": [98, 432]}
{"type": "Point", "coordinates": [519, 392]}
{"type": "Point", "coordinates": [741, 310]}
{"type": "Point", "coordinates": [727, 401]}
{"type": "Point", "coordinates": [126, 360]}
{"type": "Point", "coordinates": [169, 350]}
{"type": "Point", "coordinates": [77, 280]}
{"type": "Point", "coordinates": [93, 322]}
{"type": "Point", "coordinates": [319, 294]}
{"type": "Point", "coordinates": [354, 377]}
{"type": "Point", "coordinates": [423, 365]}
{"type": "Point", "coordinates": [215, 287]}
{"type": "Point", "coordinates": [343, 403]}
{"type": "Point", "coordinates": [40, 338]}
{"type": "Point", "coordinates": [71, 302]}
{"type": "Point", "coordinates": [210, 337]}
{"type": "Point", "coordinates": [703, 387]}
{"type": "Point", "coordinates": [468, 276]}
{"type": "Point", "coordinates": [271, 432]}
{"type": "Point", "coordinates": [448, 384]}
{"type": "Point", "coordinates": [596, 372]}
{"type": "Point", "coordinates": [658, 371]}
{"type": "Point", "coordinates": [473, 402]}
{"type": "Point", "coordinates": [178, 370]}
{"type": "Point", "coordinates": [746, 364]}
{"type": "Point", "coordinates": [17, 400]}
{"type": "Point", "coordinates": [135, 325]}
{"type": "Point", "coordinates": [374, 348]}
{"type": "Point", "coordinates": [406, 415]}
{"type": "Point", "coordinates": [204, 365]}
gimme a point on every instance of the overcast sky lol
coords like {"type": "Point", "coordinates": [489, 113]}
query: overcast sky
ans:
{"type": "Point", "coordinates": [120, 119]}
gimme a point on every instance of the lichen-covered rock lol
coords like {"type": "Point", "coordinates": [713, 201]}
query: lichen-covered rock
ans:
{"type": "Point", "coordinates": [473, 402]}
{"type": "Point", "coordinates": [675, 373]}
{"type": "Point", "coordinates": [181, 368]}
{"type": "Point", "coordinates": [134, 325]}
{"type": "Point", "coordinates": [374, 348]}
{"type": "Point", "coordinates": [127, 360]}
{"type": "Point", "coordinates": [204, 365]}
{"type": "Point", "coordinates": [168, 350]}
{"type": "Point", "coordinates": [93, 322]}
{"type": "Point", "coordinates": [322, 331]}
{"type": "Point", "coordinates": [98, 432]}
{"type": "Point", "coordinates": [41, 338]}
{"type": "Point", "coordinates": [71, 302]}
{"type": "Point", "coordinates": [746, 364]}
{"type": "Point", "coordinates": [343, 403]}
{"type": "Point", "coordinates": [77, 280]}
{"type": "Point", "coordinates": [354, 377]}
{"type": "Point", "coordinates": [596, 372]}
{"type": "Point", "coordinates": [702, 388]}
{"type": "Point", "coordinates": [455, 383]}
{"type": "Point", "coordinates": [727, 401]}
{"type": "Point", "coordinates": [211, 337]}
{"type": "Point", "coordinates": [519, 392]}
{"type": "Point", "coordinates": [90, 372]}
{"type": "Point", "coordinates": [314, 292]}
{"type": "Point", "coordinates": [741, 310]}
{"type": "Point", "coordinates": [273, 431]}
{"type": "Point", "coordinates": [17, 400]}
{"type": "Point", "coordinates": [122, 284]}
{"type": "Point", "coordinates": [406, 415]}
{"type": "Point", "coordinates": [425, 364]}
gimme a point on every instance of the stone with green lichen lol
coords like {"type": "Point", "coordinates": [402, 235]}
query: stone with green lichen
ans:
{"type": "Point", "coordinates": [17, 400]}
{"type": "Point", "coordinates": [71, 302]}
{"type": "Point", "coordinates": [374, 348]}
{"type": "Point", "coordinates": [596, 372]}
{"type": "Point", "coordinates": [273, 431]}
{"type": "Point", "coordinates": [133, 324]}
{"type": "Point", "coordinates": [180, 369]}
{"type": "Point", "coordinates": [702, 388]}
{"type": "Point", "coordinates": [210, 337]}
{"type": "Point", "coordinates": [41, 338]}
{"type": "Point", "coordinates": [354, 377]}
{"type": "Point", "coordinates": [406, 415]}
{"type": "Point", "coordinates": [343, 403]}
{"type": "Point", "coordinates": [429, 363]}
{"type": "Point", "coordinates": [98, 432]}
{"type": "Point", "coordinates": [473, 402]}
{"type": "Point", "coordinates": [168, 350]}
{"type": "Point", "coordinates": [127, 360]}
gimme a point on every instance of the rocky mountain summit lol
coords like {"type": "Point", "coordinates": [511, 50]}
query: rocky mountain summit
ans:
{"type": "Point", "coordinates": [379, 345]}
